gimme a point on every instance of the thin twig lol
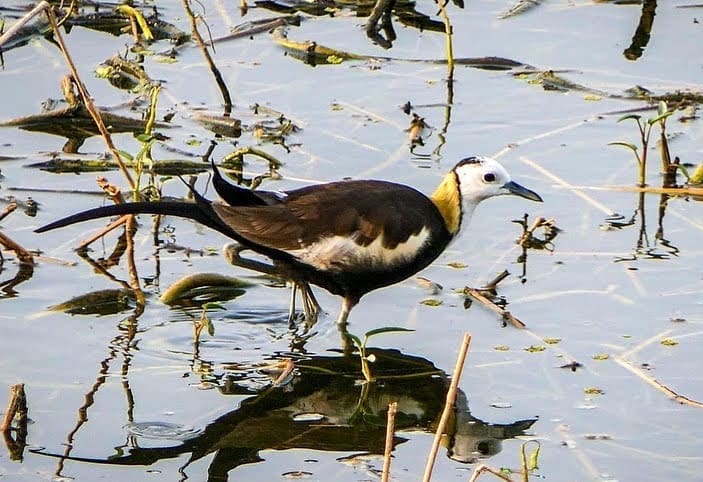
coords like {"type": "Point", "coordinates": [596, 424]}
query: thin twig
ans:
{"type": "Point", "coordinates": [16, 407]}
{"type": "Point", "coordinates": [390, 431]}
{"type": "Point", "coordinates": [504, 314]}
{"type": "Point", "coordinates": [682, 399]}
{"type": "Point", "coordinates": [21, 22]}
{"type": "Point", "coordinates": [448, 407]}
{"type": "Point", "coordinates": [99, 234]}
{"type": "Point", "coordinates": [23, 255]}
{"type": "Point", "coordinates": [208, 58]}
{"type": "Point", "coordinates": [87, 101]}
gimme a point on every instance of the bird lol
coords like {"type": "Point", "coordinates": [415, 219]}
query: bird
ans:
{"type": "Point", "coordinates": [348, 237]}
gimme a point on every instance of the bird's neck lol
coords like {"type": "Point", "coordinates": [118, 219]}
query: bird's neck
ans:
{"type": "Point", "coordinates": [447, 198]}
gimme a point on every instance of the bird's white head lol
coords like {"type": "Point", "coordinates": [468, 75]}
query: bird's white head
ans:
{"type": "Point", "coordinates": [471, 181]}
{"type": "Point", "coordinates": [479, 178]}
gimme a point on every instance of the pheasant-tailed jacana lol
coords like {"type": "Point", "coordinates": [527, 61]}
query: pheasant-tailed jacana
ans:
{"type": "Point", "coordinates": [349, 237]}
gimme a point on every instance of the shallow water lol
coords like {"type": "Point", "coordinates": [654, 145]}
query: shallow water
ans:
{"type": "Point", "coordinates": [601, 290]}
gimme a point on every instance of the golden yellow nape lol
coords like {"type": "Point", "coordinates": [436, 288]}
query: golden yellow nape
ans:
{"type": "Point", "coordinates": [448, 200]}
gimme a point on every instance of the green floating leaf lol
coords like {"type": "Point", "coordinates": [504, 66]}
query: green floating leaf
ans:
{"type": "Point", "coordinates": [593, 391]}
{"type": "Point", "coordinates": [551, 341]}
{"type": "Point", "coordinates": [501, 348]}
{"type": "Point", "coordinates": [669, 342]}
{"type": "Point", "coordinates": [535, 348]}
{"type": "Point", "coordinates": [601, 356]}
{"type": "Point", "coordinates": [431, 302]}
{"type": "Point", "coordinates": [457, 265]}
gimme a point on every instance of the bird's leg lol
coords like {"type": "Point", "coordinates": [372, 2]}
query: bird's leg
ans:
{"type": "Point", "coordinates": [232, 254]}
{"type": "Point", "coordinates": [291, 306]}
{"type": "Point", "coordinates": [347, 305]}
{"type": "Point", "coordinates": [310, 305]}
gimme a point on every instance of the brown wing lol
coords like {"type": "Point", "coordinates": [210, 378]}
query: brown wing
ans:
{"type": "Point", "coordinates": [359, 210]}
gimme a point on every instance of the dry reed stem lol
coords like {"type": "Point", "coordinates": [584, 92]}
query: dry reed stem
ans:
{"type": "Point", "coordinates": [504, 314]}
{"type": "Point", "coordinates": [99, 234]}
{"type": "Point", "coordinates": [226, 98]}
{"type": "Point", "coordinates": [87, 101]}
{"type": "Point", "coordinates": [671, 191]}
{"type": "Point", "coordinates": [682, 399]}
{"type": "Point", "coordinates": [16, 407]}
{"type": "Point", "coordinates": [390, 431]}
{"type": "Point", "coordinates": [23, 255]}
{"type": "Point", "coordinates": [448, 407]}
{"type": "Point", "coordinates": [9, 209]}
{"type": "Point", "coordinates": [41, 6]}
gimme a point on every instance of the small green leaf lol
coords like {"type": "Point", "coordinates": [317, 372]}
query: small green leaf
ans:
{"type": "Point", "coordinates": [335, 59]}
{"type": "Point", "coordinates": [356, 340]}
{"type": "Point", "coordinates": [457, 265]}
{"type": "Point", "coordinates": [386, 329]}
{"type": "Point", "coordinates": [535, 348]}
{"type": "Point", "coordinates": [501, 348]}
{"type": "Point", "coordinates": [669, 342]}
{"type": "Point", "coordinates": [552, 341]}
{"type": "Point", "coordinates": [593, 391]}
{"type": "Point", "coordinates": [659, 118]}
{"type": "Point", "coordinates": [534, 457]}
{"type": "Point", "coordinates": [624, 144]}
{"type": "Point", "coordinates": [601, 356]}
{"type": "Point", "coordinates": [431, 302]}
{"type": "Point", "coordinates": [662, 108]}
{"type": "Point", "coordinates": [210, 327]}
{"type": "Point", "coordinates": [125, 154]}
{"type": "Point", "coordinates": [630, 116]}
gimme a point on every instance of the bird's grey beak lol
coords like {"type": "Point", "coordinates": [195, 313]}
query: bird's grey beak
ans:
{"type": "Point", "coordinates": [514, 188]}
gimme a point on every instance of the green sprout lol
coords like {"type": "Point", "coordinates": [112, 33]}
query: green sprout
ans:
{"type": "Point", "coordinates": [645, 129]}
{"type": "Point", "coordinates": [361, 347]}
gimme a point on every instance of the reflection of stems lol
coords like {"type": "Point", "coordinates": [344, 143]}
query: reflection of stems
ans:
{"type": "Point", "coordinates": [208, 58]}
{"type": "Point", "coordinates": [447, 118]}
{"type": "Point", "coordinates": [133, 275]}
{"type": "Point", "coordinates": [120, 343]}
{"type": "Point", "coordinates": [641, 37]}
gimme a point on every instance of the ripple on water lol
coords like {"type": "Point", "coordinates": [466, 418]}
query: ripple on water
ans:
{"type": "Point", "coordinates": [239, 335]}
{"type": "Point", "coordinates": [162, 430]}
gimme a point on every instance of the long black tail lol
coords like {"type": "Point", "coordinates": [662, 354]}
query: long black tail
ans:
{"type": "Point", "coordinates": [200, 211]}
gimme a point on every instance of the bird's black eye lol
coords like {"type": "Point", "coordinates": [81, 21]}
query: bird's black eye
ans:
{"type": "Point", "coordinates": [489, 177]}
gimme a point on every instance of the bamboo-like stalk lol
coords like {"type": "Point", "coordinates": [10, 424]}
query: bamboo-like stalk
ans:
{"type": "Point", "coordinates": [448, 407]}
{"type": "Point", "coordinates": [390, 431]}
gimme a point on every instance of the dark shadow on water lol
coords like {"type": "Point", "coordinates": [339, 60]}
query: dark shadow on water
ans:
{"type": "Point", "coordinates": [323, 406]}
